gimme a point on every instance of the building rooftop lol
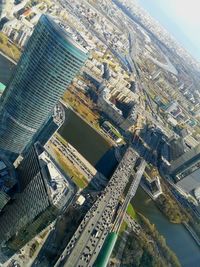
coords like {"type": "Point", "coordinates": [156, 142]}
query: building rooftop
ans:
{"type": "Point", "coordinates": [186, 159]}
{"type": "Point", "coordinates": [59, 114]}
{"type": "Point", "coordinates": [57, 185]}
{"type": "Point", "coordinates": [4, 198]}
{"type": "Point", "coordinates": [62, 32]}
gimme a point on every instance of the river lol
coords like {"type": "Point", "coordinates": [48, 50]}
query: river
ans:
{"type": "Point", "coordinates": [89, 143]}
{"type": "Point", "coordinates": [177, 237]}
{"type": "Point", "coordinates": [77, 132]}
{"type": "Point", "coordinates": [98, 152]}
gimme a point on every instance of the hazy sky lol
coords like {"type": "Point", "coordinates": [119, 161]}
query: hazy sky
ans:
{"type": "Point", "coordinates": [181, 18]}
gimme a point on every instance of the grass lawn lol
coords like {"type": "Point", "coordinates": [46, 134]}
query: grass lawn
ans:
{"type": "Point", "coordinates": [80, 182]}
{"type": "Point", "coordinates": [131, 212]}
{"type": "Point", "coordinates": [69, 169]}
{"type": "Point", "coordinates": [123, 227]}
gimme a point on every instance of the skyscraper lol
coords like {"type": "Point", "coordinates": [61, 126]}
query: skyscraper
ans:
{"type": "Point", "coordinates": [44, 192]}
{"type": "Point", "coordinates": [53, 122]}
{"type": "Point", "coordinates": [49, 63]}
{"type": "Point", "coordinates": [186, 170]}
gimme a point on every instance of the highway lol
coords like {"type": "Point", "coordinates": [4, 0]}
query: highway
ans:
{"type": "Point", "coordinates": [86, 243]}
{"type": "Point", "coordinates": [131, 193]}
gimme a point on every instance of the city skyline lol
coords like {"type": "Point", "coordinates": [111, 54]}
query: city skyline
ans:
{"type": "Point", "coordinates": [180, 18]}
{"type": "Point", "coordinates": [102, 109]}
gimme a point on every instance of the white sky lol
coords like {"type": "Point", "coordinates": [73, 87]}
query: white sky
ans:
{"type": "Point", "coordinates": [183, 14]}
{"type": "Point", "coordinates": [186, 12]}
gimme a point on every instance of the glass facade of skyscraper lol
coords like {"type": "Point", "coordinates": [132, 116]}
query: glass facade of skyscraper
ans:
{"type": "Point", "coordinates": [44, 192]}
{"type": "Point", "coordinates": [49, 63]}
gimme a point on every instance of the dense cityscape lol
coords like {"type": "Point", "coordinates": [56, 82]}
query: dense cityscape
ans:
{"type": "Point", "coordinates": [99, 137]}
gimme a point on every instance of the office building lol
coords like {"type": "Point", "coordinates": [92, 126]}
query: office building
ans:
{"type": "Point", "coordinates": [47, 66]}
{"type": "Point", "coordinates": [177, 148]}
{"type": "Point", "coordinates": [186, 170]}
{"type": "Point", "coordinates": [44, 192]}
{"type": "Point", "coordinates": [53, 122]}
{"type": "Point", "coordinates": [8, 181]}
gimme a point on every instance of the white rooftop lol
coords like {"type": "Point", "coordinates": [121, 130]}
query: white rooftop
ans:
{"type": "Point", "coordinates": [57, 185]}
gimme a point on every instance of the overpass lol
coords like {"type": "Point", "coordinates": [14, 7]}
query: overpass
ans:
{"type": "Point", "coordinates": [87, 241]}
{"type": "Point", "coordinates": [130, 194]}
{"type": "Point", "coordinates": [108, 246]}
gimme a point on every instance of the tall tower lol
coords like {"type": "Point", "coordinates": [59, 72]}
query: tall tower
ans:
{"type": "Point", "coordinates": [50, 126]}
{"type": "Point", "coordinates": [44, 192]}
{"type": "Point", "coordinates": [48, 65]}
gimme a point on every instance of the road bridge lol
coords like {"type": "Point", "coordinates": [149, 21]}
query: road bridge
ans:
{"type": "Point", "coordinates": [130, 194]}
{"type": "Point", "coordinates": [86, 243]}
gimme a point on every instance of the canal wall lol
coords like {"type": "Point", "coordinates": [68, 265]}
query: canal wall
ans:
{"type": "Point", "coordinates": [192, 233]}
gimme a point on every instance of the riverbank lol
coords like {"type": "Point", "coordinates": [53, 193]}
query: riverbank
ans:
{"type": "Point", "coordinates": [144, 248]}
{"type": "Point", "coordinates": [176, 236]}
{"type": "Point", "coordinates": [180, 220]}
{"type": "Point", "coordinates": [84, 138]}
{"type": "Point", "coordinates": [193, 234]}
{"type": "Point", "coordinates": [110, 141]}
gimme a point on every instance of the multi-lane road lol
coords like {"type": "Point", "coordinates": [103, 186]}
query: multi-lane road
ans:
{"type": "Point", "coordinates": [86, 243]}
{"type": "Point", "coordinates": [129, 195]}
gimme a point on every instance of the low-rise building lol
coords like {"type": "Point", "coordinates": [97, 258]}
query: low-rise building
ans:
{"type": "Point", "coordinates": [80, 200]}
{"type": "Point", "coordinates": [18, 31]}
